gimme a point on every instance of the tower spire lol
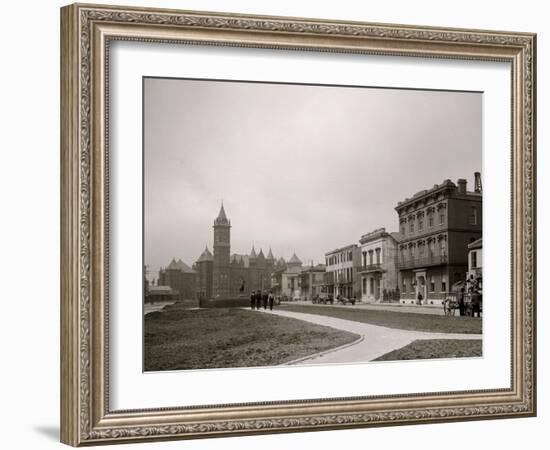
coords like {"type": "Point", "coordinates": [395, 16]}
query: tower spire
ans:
{"type": "Point", "coordinates": [222, 217]}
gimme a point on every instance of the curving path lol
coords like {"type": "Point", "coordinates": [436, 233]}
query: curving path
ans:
{"type": "Point", "coordinates": [376, 340]}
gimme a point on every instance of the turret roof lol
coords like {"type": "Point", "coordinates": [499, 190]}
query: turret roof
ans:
{"type": "Point", "coordinates": [294, 260]}
{"type": "Point", "coordinates": [206, 255]}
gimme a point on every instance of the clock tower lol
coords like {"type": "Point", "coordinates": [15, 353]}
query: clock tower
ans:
{"type": "Point", "coordinates": [222, 247]}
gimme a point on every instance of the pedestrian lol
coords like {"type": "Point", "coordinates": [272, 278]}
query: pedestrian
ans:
{"type": "Point", "coordinates": [264, 300]}
{"type": "Point", "coordinates": [252, 300]}
{"type": "Point", "coordinates": [271, 300]}
{"type": "Point", "coordinates": [461, 301]}
{"type": "Point", "coordinates": [476, 304]}
{"type": "Point", "coordinates": [258, 298]}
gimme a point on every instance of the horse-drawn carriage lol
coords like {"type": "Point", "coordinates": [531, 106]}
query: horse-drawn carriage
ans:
{"type": "Point", "coordinates": [451, 304]}
{"type": "Point", "coordinates": [323, 298]}
{"type": "Point", "coordinates": [345, 300]}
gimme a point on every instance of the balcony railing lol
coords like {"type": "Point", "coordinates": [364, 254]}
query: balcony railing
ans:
{"type": "Point", "coordinates": [371, 268]}
{"type": "Point", "coordinates": [432, 260]}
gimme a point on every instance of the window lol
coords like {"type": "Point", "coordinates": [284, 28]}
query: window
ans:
{"type": "Point", "coordinates": [473, 216]}
{"type": "Point", "coordinates": [403, 230]}
{"type": "Point", "coordinates": [443, 284]}
{"type": "Point", "coordinates": [431, 247]}
{"type": "Point", "coordinates": [442, 246]}
{"type": "Point", "coordinates": [430, 220]}
{"type": "Point", "coordinates": [372, 286]}
{"type": "Point", "coordinates": [364, 285]}
{"type": "Point", "coordinates": [411, 227]}
{"type": "Point", "coordinates": [441, 219]}
{"type": "Point", "coordinates": [420, 224]}
{"type": "Point", "coordinates": [474, 259]}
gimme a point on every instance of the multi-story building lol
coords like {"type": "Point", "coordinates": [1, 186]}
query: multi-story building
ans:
{"type": "Point", "coordinates": [436, 226]}
{"type": "Point", "coordinates": [474, 279]}
{"type": "Point", "coordinates": [341, 266]}
{"type": "Point", "coordinates": [378, 270]}
{"type": "Point", "coordinates": [223, 274]}
{"type": "Point", "coordinates": [286, 280]}
{"type": "Point", "coordinates": [180, 277]}
{"type": "Point", "coordinates": [313, 281]}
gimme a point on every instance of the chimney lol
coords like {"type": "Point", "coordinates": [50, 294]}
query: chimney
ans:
{"type": "Point", "coordinates": [477, 184]}
{"type": "Point", "coordinates": [461, 182]}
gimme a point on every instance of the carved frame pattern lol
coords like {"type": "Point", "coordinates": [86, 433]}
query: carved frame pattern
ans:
{"type": "Point", "coordinates": [86, 418]}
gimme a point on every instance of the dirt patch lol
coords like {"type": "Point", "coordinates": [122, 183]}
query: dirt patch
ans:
{"type": "Point", "coordinates": [436, 348]}
{"type": "Point", "coordinates": [177, 339]}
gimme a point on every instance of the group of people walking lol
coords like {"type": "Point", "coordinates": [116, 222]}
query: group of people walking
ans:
{"type": "Point", "coordinates": [259, 299]}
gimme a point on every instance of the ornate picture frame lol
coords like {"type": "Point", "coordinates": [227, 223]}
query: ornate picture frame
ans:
{"type": "Point", "coordinates": [86, 34]}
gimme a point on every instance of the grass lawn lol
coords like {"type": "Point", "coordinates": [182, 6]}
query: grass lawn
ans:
{"type": "Point", "coordinates": [179, 338]}
{"type": "Point", "coordinates": [435, 348]}
{"type": "Point", "coordinates": [400, 320]}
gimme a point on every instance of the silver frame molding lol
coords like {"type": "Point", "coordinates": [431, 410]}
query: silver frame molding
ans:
{"type": "Point", "coordinates": [86, 31]}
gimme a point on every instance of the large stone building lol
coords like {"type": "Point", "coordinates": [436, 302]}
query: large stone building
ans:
{"type": "Point", "coordinates": [341, 266]}
{"type": "Point", "coordinates": [180, 277]}
{"type": "Point", "coordinates": [436, 226]}
{"type": "Point", "coordinates": [378, 270]}
{"type": "Point", "coordinates": [224, 274]}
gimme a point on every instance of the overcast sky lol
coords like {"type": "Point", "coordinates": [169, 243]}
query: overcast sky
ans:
{"type": "Point", "coordinates": [302, 169]}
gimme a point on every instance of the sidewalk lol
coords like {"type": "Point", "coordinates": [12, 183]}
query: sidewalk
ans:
{"type": "Point", "coordinates": [377, 340]}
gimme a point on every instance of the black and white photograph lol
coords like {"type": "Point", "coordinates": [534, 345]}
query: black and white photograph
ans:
{"type": "Point", "coordinates": [304, 224]}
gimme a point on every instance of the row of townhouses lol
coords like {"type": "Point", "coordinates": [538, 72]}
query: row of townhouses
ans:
{"type": "Point", "coordinates": [437, 246]}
